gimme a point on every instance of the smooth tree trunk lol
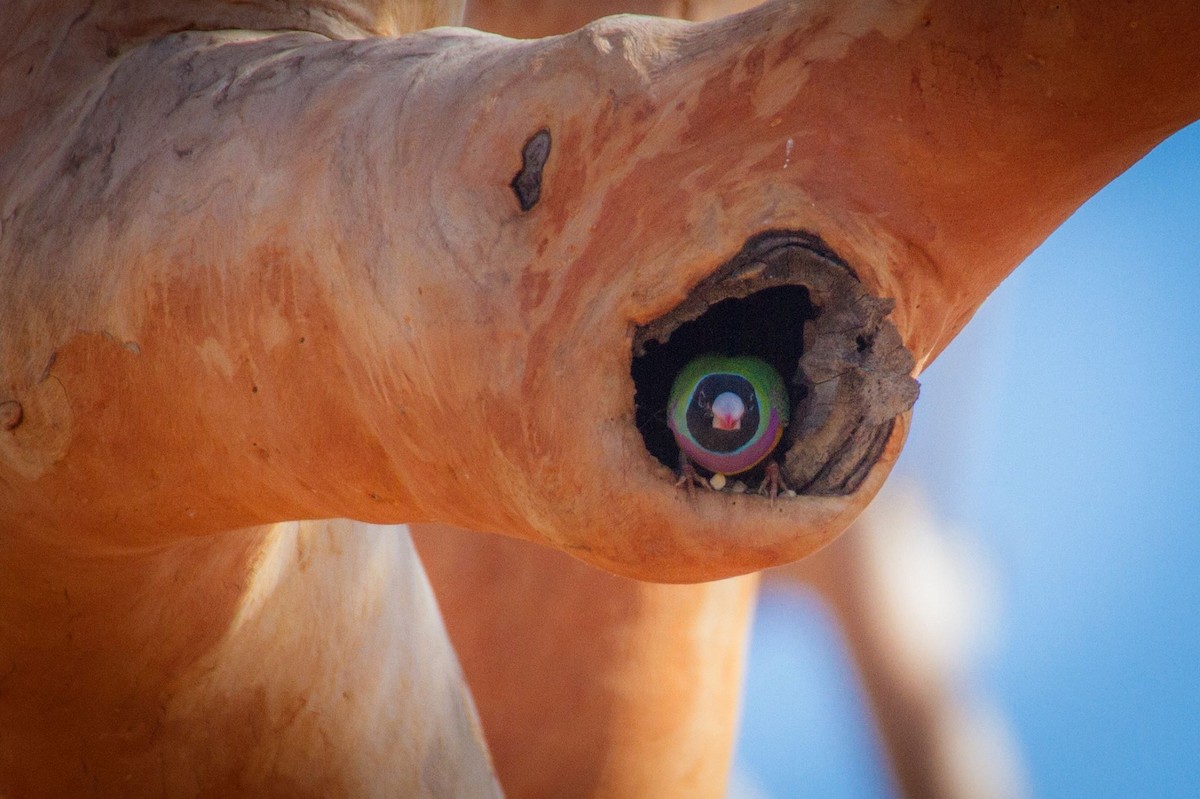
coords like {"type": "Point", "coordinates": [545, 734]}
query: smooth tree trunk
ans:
{"type": "Point", "coordinates": [261, 263]}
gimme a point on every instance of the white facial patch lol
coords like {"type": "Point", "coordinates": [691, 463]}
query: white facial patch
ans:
{"type": "Point", "coordinates": [728, 410]}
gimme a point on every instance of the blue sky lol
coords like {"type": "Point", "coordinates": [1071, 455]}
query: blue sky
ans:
{"type": "Point", "coordinates": [1061, 431]}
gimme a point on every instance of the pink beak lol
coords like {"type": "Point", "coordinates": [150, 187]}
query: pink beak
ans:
{"type": "Point", "coordinates": [728, 410]}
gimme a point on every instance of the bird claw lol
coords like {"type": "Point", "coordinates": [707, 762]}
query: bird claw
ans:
{"type": "Point", "coordinates": [689, 478]}
{"type": "Point", "coordinates": [772, 483]}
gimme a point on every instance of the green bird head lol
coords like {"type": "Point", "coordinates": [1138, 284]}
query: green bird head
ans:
{"type": "Point", "coordinates": [728, 413]}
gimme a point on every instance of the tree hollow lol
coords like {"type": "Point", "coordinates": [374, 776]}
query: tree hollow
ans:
{"type": "Point", "coordinates": [790, 300]}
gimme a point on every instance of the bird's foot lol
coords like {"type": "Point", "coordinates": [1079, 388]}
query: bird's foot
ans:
{"type": "Point", "coordinates": [772, 484]}
{"type": "Point", "coordinates": [689, 478]}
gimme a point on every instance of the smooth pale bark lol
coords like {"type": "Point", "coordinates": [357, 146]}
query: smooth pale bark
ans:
{"type": "Point", "coordinates": [429, 341]}
{"type": "Point", "coordinates": [253, 276]}
{"type": "Point", "coordinates": [172, 264]}
{"type": "Point", "coordinates": [535, 19]}
{"type": "Point", "coordinates": [590, 684]}
{"type": "Point", "coordinates": [447, 342]}
{"type": "Point", "coordinates": [587, 683]}
{"type": "Point", "coordinates": [303, 659]}
{"type": "Point", "coordinates": [295, 659]}
{"type": "Point", "coordinates": [503, 602]}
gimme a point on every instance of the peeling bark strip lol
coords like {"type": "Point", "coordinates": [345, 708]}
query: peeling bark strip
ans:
{"type": "Point", "coordinates": [527, 184]}
{"type": "Point", "coordinates": [854, 376]}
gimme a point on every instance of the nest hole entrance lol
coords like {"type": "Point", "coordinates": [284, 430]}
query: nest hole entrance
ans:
{"type": "Point", "coordinates": [768, 323]}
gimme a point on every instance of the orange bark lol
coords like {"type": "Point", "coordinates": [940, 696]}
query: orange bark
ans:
{"type": "Point", "coordinates": [259, 266]}
{"type": "Point", "coordinates": [590, 684]}
{"type": "Point", "coordinates": [504, 604]}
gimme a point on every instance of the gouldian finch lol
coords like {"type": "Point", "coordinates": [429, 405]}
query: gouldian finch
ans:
{"type": "Point", "coordinates": [727, 415]}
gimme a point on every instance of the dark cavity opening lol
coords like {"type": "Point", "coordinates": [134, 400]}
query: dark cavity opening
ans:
{"type": "Point", "coordinates": [768, 323]}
